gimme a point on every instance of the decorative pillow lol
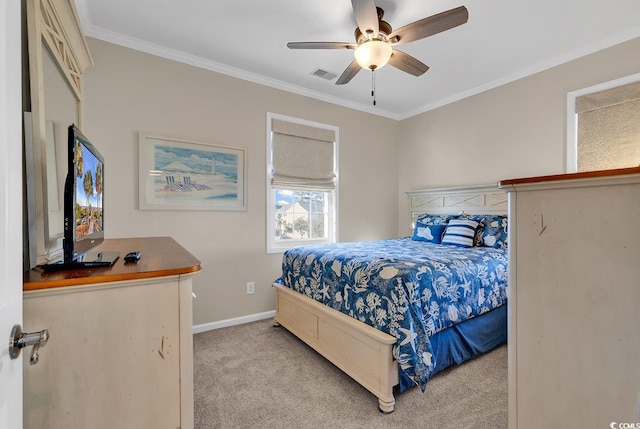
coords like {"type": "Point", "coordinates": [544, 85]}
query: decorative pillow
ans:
{"type": "Point", "coordinates": [492, 231]}
{"type": "Point", "coordinates": [430, 228]}
{"type": "Point", "coordinates": [460, 232]}
{"type": "Point", "coordinates": [430, 233]}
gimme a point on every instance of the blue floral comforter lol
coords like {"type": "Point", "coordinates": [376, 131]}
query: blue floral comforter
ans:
{"type": "Point", "coordinates": [408, 289]}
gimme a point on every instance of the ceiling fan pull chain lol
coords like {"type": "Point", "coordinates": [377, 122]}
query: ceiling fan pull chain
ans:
{"type": "Point", "coordinates": [373, 86]}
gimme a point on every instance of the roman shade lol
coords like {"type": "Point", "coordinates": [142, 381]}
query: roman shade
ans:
{"type": "Point", "coordinates": [303, 157]}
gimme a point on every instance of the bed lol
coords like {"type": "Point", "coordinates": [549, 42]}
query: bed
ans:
{"type": "Point", "coordinates": [395, 312]}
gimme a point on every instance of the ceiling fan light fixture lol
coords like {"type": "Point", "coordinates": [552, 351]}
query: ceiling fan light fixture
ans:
{"type": "Point", "coordinates": [373, 54]}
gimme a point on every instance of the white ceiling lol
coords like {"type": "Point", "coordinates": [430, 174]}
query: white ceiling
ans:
{"type": "Point", "coordinates": [503, 40]}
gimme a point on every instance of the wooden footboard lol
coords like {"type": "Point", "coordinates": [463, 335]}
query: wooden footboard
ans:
{"type": "Point", "coordinates": [362, 352]}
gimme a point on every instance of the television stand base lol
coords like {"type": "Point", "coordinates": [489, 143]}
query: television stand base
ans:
{"type": "Point", "coordinates": [89, 260]}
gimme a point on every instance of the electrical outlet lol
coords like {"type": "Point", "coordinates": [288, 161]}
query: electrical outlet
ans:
{"type": "Point", "coordinates": [251, 288]}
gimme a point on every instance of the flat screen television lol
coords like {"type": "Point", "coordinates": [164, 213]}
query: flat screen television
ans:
{"type": "Point", "coordinates": [84, 207]}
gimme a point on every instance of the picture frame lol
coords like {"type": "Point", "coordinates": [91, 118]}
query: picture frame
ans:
{"type": "Point", "coordinates": [183, 174]}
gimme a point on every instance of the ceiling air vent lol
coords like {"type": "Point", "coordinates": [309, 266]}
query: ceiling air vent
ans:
{"type": "Point", "coordinates": [324, 74]}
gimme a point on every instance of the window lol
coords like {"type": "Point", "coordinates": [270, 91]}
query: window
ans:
{"type": "Point", "coordinates": [603, 126]}
{"type": "Point", "coordinates": [302, 182]}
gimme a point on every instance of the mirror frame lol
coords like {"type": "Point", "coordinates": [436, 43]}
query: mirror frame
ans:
{"type": "Point", "coordinates": [53, 25]}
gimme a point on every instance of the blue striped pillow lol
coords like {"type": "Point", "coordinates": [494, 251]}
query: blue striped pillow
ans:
{"type": "Point", "coordinates": [460, 232]}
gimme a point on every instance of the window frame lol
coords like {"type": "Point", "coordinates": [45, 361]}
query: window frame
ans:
{"type": "Point", "coordinates": [272, 245]}
{"type": "Point", "coordinates": [572, 117]}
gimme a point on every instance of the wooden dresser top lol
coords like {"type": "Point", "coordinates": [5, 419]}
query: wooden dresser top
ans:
{"type": "Point", "coordinates": [570, 176]}
{"type": "Point", "coordinates": [161, 256]}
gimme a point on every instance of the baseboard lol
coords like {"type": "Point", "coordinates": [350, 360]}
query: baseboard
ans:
{"type": "Point", "coordinates": [232, 322]}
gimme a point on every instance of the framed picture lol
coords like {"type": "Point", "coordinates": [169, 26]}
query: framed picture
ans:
{"type": "Point", "coordinates": [180, 174]}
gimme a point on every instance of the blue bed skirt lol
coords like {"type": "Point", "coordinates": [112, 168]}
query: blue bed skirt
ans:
{"type": "Point", "coordinates": [466, 340]}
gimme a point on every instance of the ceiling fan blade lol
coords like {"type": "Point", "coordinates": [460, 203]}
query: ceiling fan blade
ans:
{"type": "Point", "coordinates": [366, 16]}
{"type": "Point", "coordinates": [349, 73]}
{"type": "Point", "coordinates": [321, 45]}
{"type": "Point", "coordinates": [407, 63]}
{"type": "Point", "coordinates": [429, 26]}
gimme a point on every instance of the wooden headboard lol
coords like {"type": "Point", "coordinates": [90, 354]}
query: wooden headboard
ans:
{"type": "Point", "coordinates": [482, 199]}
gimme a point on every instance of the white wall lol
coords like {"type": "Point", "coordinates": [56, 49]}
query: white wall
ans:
{"type": "Point", "coordinates": [129, 91]}
{"type": "Point", "coordinates": [516, 130]}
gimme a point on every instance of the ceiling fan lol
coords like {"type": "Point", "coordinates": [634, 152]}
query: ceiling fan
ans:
{"type": "Point", "coordinates": [375, 39]}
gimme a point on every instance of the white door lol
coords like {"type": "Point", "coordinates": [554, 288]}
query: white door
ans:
{"type": "Point", "coordinates": [10, 211]}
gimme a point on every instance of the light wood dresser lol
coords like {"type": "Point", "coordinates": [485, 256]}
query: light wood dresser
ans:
{"type": "Point", "coordinates": [574, 300]}
{"type": "Point", "coordinates": [120, 353]}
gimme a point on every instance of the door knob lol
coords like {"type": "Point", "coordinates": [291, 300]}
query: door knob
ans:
{"type": "Point", "coordinates": [20, 340]}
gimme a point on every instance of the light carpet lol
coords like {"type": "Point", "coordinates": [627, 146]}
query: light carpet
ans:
{"type": "Point", "coordinates": [259, 376]}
